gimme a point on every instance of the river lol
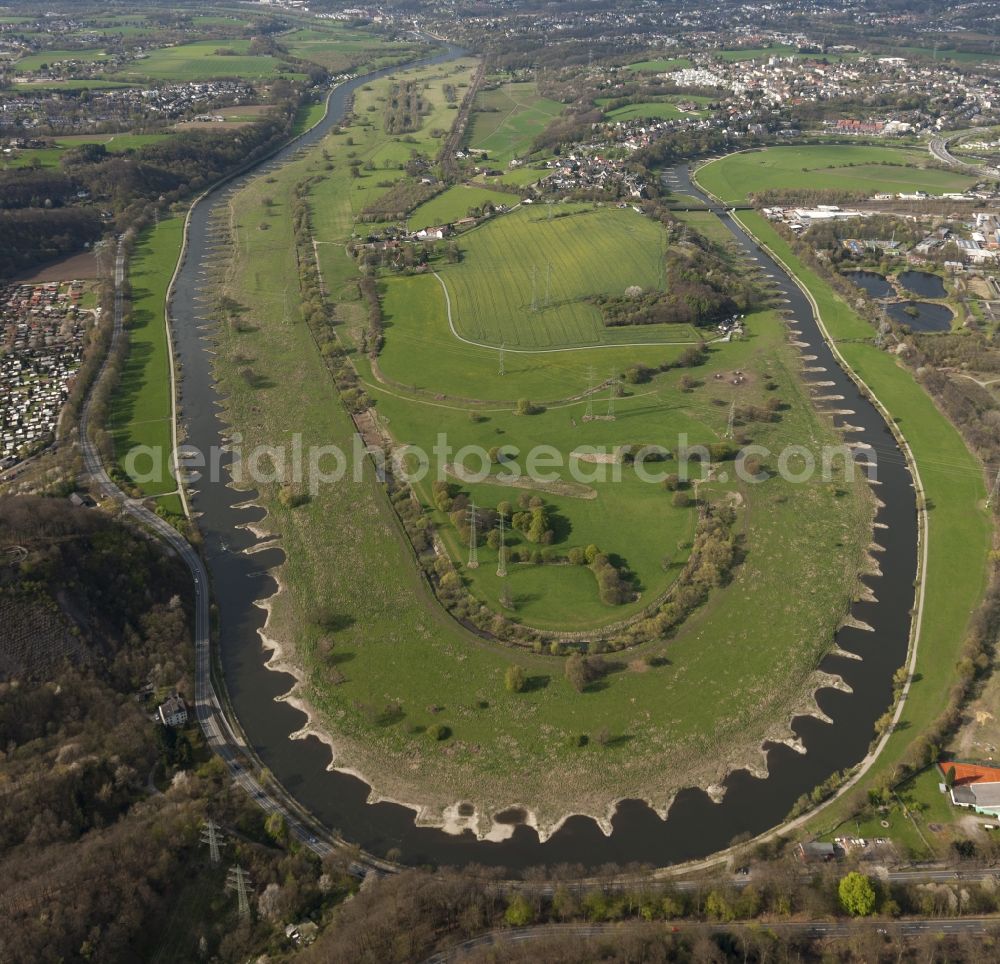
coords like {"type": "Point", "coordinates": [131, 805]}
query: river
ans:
{"type": "Point", "coordinates": [695, 826]}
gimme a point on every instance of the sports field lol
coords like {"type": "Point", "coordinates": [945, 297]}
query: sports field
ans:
{"type": "Point", "coordinates": [837, 167]}
{"type": "Point", "coordinates": [524, 278]}
{"type": "Point", "coordinates": [508, 120]}
{"type": "Point", "coordinates": [141, 406]}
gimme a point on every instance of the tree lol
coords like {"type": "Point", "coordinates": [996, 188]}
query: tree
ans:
{"type": "Point", "coordinates": [519, 912]}
{"type": "Point", "coordinates": [515, 679]}
{"type": "Point", "coordinates": [576, 672]}
{"type": "Point", "coordinates": [275, 826]}
{"type": "Point", "coordinates": [857, 895]}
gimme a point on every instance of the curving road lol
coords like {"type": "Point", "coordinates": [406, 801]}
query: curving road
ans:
{"type": "Point", "coordinates": [938, 147]}
{"type": "Point", "coordinates": [219, 735]}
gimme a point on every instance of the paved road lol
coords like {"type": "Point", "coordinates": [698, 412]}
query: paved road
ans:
{"type": "Point", "coordinates": [938, 147]}
{"type": "Point", "coordinates": [208, 708]}
{"type": "Point", "coordinates": [821, 929]}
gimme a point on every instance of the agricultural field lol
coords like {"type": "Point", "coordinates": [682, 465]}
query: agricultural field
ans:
{"type": "Point", "coordinates": [455, 203]}
{"type": "Point", "coordinates": [141, 406]}
{"type": "Point", "coordinates": [508, 119]}
{"type": "Point", "coordinates": [752, 646]}
{"type": "Point", "coordinates": [572, 255]}
{"type": "Point", "coordinates": [841, 167]}
{"type": "Point", "coordinates": [200, 61]}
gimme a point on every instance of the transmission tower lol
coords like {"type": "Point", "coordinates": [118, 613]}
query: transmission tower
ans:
{"type": "Point", "coordinates": [502, 553]}
{"type": "Point", "coordinates": [501, 370]}
{"type": "Point", "coordinates": [534, 288]}
{"type": "Point", "coordinates": [548, 282]}
{"type": "Point", "coordinates": [589, 413]}
{"type": "Point", "coordinates": [210, 835]}
{"type": "Point", "coordinates": [473, 538]}
{"type": "Point", "coordinates": [549, 205]}
{"type": "Point", "coordinates": [237, 880]}
{"type": "Point", "coordinates": [995, 492]}
{"type": "Point", "coordinates": [613, 391]}
{"type": "Point", "coordinates": [732, 419]}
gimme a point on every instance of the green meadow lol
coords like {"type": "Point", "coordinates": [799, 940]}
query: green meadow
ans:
{"type": "Point", "coordinates": [456, 203]}
{"type": "Point", "coordinates": [842, 167]}
{"type": "Point", "coordinates": [507, 120]}
{"type": "Point", "coordinates": [201, 61]}
{"type": "Point", "coordinates": [753, 645]}
{"type": "Point", "coordinates": [141, 405]}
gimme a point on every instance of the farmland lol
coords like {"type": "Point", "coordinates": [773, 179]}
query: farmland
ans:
{"type": "Point", "coordinates": [751, 645]}
{"type": "Point", "coordinates": [659, 65]}
{"type": "Point", "coordinates": [840, 167]}
{"type": "Point", "coordinates": [339, 49]}
{"type": "Point", "coordinates": [141, 405]}
{"type": "Point", "coordinates": [49, 156]}
{"type": "Point", "coordinates": [653, 110]}
{"type": "Point", "coordinates": [34, 62]}
{"type": "Point", "coordinates": [507, 120]}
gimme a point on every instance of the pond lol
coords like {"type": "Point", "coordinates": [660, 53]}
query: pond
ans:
{"type": "Point", "coordinates": [872, 282]}
{"type": "Point", "coordinates": [928, 317]}
{"type": "Point", "coordinates": [923, 284]}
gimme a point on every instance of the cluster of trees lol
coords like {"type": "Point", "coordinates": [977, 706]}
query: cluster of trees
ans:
{"type": "Point", "coordinates": [405, 109]}
{"type": "Point", "coordinates": [403, 197]}
{"type": "Point", "coordinates": [701, 288]}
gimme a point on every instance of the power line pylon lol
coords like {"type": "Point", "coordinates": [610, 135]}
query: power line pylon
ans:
{"type": "Point", "coordinates": [613, 391]}
{"type": "Point", "coordinates": [534, 288]}
{"type": "Point", "coordinates": [589, 413]}
{"type": "Point", "coordinates": [210, 835]}
{"type": "Point", "coordinates": [995, 492]}
{"type": "Point", "coordinates": [548, 282]}
{"type": "Point", "coordinates": [237, 880]}
{"type": "Point", "coordinates": [501, 370]}
{"type": "Point", "coordinates": [732, 419]}
{"type": "Point", "coordinates": [473, 538]}
{"type": "Point", "coordinates": [502, 552]}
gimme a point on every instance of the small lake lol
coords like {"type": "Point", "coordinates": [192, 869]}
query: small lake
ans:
{"type": "Point", "coordinates": [923, 284]}
{"type": "Point", "coordinates": [928, 317]}
{"type": "Point", "coordinates": [870, 281]}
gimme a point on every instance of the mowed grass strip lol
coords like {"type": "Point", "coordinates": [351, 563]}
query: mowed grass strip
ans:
{"type": "Point", "coordinates": [526, 258]}
{"type": "Point", "coordinates": [836, 166]}
{"type": "Point", "coordinates": [960, 529]}
{"type": "Point", "coordinates": [141, 406]}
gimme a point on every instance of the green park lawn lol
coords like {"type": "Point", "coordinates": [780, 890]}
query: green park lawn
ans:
{"type": "Point", "coordinates": [835, 167]}
{"type": "Point", "coordinates": [141, 405]}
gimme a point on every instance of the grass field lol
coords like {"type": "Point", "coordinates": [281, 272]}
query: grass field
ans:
{"type": "Point", "coordinates": [590, 252]}
{"type": "Point", "coordinates": [199, 61]}
{"type": "Point", "coordinates": [33, 62]}
{"type": "Point", "coordinates": [49, 156]}
{"type": "Point", "coordinates": [835, 167]}
{"type": "Point", "coordinates": [82, 84]}
{"type": "Point", "coordinates": [754, 647]}
{"type": "Point", "coordinates": [959, 526]}
{"type": "Point", "coordinates": [654, 110]}
{"type": "Point", "coordinates": [755, 53]}
{"type": "Point", "coordinates": [141, 406]}
{"type": "Point", "coordinates": [508, 120]}
{"type": "Point", "coordinates": [340, 49]}
{"type": "Point", "coordinates": [455, 203]}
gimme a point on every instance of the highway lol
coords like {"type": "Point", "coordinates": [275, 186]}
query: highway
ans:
{"type": "Point", "coordinates": [938, 147]}
{"type": "Point", "coordinates": [208, 708]}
